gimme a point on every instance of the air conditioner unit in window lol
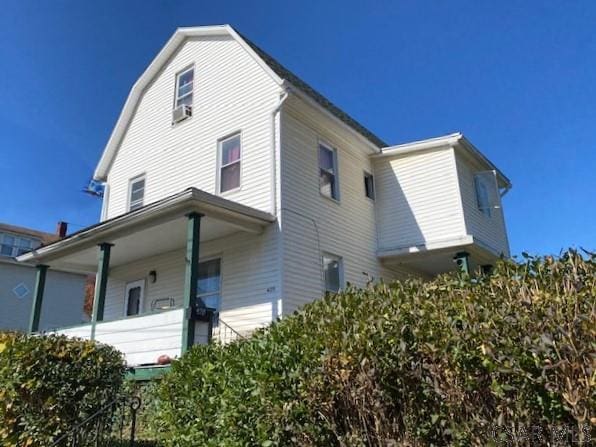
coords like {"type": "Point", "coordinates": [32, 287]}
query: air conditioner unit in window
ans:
{"type": "Point", "coordinates": [181, 113]}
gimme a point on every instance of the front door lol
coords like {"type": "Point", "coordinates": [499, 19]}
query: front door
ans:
{"type": "Point", "coordinates": [133, 300]}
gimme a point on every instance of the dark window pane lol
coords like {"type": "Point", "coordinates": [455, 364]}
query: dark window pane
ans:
{"type": "Point", "coordinates": [332, 274]}
{"type": "Point", "coordinates": [209, 277]}
{"type": "Point", "coordinates": [134, 301]}
{"type": "Point", "coordinates": [230, 177]}
{"type": "Point", "coordinates": [6, 250]}
{"type": "Point", "coordinates": [326, 159]}
{"type": "Point", "coordinates": [369, 186]}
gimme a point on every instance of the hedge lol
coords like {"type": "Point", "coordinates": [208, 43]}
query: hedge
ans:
{"type": "Point", "coordinates": [50, 383]}
{"type": "Point", "coordinates": [455, 361]}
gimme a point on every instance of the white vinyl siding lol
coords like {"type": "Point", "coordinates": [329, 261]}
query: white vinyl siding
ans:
{"type": "Point", "coordinates": [231, 92]}
{"type": "Point", "coordinates": [488, 230]}
{"type": "Point", "coordinates": [312, 226]}
{"type": "Point", "coordinates": [418, 199]}
{"type": "Point", "coordinates": [249, 279]}
{"type": "Point", "coordinates": [62, 304]}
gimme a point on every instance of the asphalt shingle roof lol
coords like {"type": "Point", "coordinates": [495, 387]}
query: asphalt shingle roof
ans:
{"type": "Point", "coordinates": [286, 74]}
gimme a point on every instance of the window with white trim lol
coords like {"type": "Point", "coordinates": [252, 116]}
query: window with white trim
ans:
{"type": "Point", "coordinates": [12, 245]}
{"type": "Point", "coordinates": [328, 183]}
{"type": "Point", "coordinates": [185, 87]}
{"type": "Point", "coordinates": [369, 186]}
{"type": "Point", "coordinates": [482, 195]}
{"type": "Point", "coordinates": [230, 159]}
{"type": "Point", "coordinates": [209, 284]}
{"type": "Point", "coordinates": [333, 272]}
{"type": "Point", "coordinates": [135, 292]}
{"type": "Point", "coordinates": [136, 193]}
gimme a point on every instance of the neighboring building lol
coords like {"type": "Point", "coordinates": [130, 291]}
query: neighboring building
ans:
{"type": "Point", "coordinates": [17, 283]}
{"type": "Point", "coordinates": [231, 183]}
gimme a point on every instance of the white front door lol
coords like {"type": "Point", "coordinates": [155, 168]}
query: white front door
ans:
{"type": "Point", "coordinates": [133, 298]}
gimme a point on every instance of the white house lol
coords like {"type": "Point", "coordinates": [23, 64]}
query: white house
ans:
{"type": "Point", "coordinates": [64, 292]}
{"type": "Point", "coordinates": [231, 183]}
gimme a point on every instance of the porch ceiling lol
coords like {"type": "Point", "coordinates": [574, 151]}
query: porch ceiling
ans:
{"type": "Point", "coordinates": [156, 228]}
{"type": "Point", "coordinates": [433, 261]}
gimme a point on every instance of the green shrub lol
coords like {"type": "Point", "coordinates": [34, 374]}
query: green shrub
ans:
{"type": "Point", "coordinates": [50, 383]}
{"type": "Point", "coordinates": [409, 363]}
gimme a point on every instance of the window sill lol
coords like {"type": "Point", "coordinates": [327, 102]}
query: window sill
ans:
{"type": "Point", "coordinates": [331, 199]}
{"type": "Point", "coordinates": [181, 122]}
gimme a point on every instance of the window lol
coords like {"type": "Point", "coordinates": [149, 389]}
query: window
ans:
{"type": "Point", "coordinates": [134, 297]}
{"type": "Point", "coordinates": [328, 172]}
{"type": "Point", "coordinates": [332, 270]}
{"type": "Point", "coordinates": [482, 195]}
{"type": "Point", "coordinates": [136, 194]}
{"type": "Point", "coordinates": [184, 87]}
{"type": "Point", "coordinates": [230, 155]}
{"type": "Point", "coordinates": [12, 245]}
{"type": "Point", "coordinates": [209, 283]}
{"type": "Point", "coordinates": [369, 186]}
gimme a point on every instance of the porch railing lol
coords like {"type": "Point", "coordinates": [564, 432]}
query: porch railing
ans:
{"type": "Point", "coordinates": [113, 424]}
{"type": "Point", "coordinates": [224, 333]}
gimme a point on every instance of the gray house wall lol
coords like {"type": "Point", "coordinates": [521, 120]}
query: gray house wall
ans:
{"type": "Point", "coordinates": [63, 297]}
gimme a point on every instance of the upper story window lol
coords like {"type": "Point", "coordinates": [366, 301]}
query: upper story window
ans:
{"type": "Point", "coordinates": [369, 186]}
{"type": "Point", "coordinates": [184, 87]}
{"type": "Point", "coordinates": [230, 159]}
{"type": "Point", "coordinates": [328, 181]}
{"type": "Point", "coordinates": [486, 191]}
{"type": "Point", "coordinates": [12, 245]}
{"type": "Point", "coordinates": [136, 193]}
{"type": "Point", "coordinates": [332, 270]}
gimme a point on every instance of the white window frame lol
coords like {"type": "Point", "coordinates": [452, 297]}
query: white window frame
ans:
{"type": "Point", "coordinates": [178, 76]}
{"type": "Point", "coordinates": [219, 291]}
{"type": "Point", "coordinates": [220, 165]}
{"type": "Point", "coordinates": [335, 172]}
{"type": "Point", "coordinates": [131, 182]}
{"type": "Point", "coordinates": [131, 285]}
{"type": "Point", "coordinates": [340, 263]}
{"type": "Point", "coordinates": [33, 243]}
{"type": "Point", "coordinates": [368, 175]}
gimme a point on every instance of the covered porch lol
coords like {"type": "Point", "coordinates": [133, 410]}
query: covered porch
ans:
{"type": "Point", "coordinates": [159, 274]}
{"type": "Point", "coordinates": [433, 258]}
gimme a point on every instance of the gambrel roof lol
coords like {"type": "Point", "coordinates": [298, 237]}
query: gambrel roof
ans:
{"type": "Point", "coordinates": [280, 74]}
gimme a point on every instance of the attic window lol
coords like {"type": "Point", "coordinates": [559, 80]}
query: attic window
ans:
{"type": "Point", "coordinates": [136, 193]}
{"type": "Point", "coordinates": [184, 87]}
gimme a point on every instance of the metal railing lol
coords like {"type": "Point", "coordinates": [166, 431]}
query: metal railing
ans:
{"type": "Point", "coordinates": [224, 333]}
{"type": "Point", "coordinates": [113, 424]}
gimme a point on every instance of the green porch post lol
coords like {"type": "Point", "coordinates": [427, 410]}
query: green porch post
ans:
{"type": "Point", "coordinates": [99, 298]}
{"type": "Point", "coordinates": [40, 284]}
{"type": "Point", "coordinates": [462, 259]}
{"type": "Point", "coordinates": [193, 233]}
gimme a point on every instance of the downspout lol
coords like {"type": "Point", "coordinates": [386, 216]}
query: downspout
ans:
{"type": "Point", "coordinates": [275, 147]}
{"type": "Point", "coordinates": [274, 144]}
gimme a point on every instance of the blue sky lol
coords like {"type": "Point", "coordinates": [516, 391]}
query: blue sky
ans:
{"type": "Point", "coordinates": [518, 78]}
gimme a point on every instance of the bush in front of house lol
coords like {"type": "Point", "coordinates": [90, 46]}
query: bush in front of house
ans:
{"type": "Point", "coordinates": [50, 383]}
{"type": "Point", "coordinates": [456, 361]}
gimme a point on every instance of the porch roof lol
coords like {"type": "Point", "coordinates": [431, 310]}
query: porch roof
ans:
{"type": "Point", "coordinates": [155, 228]}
